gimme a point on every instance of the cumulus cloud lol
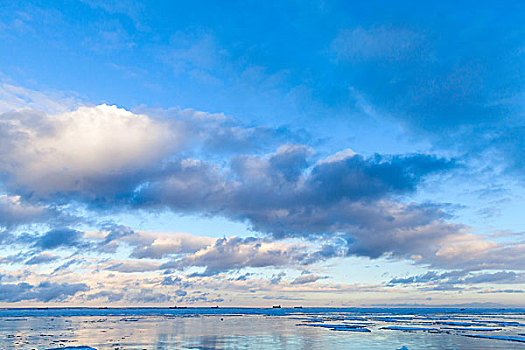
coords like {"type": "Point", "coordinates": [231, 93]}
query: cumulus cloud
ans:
{"type": "Point", "coordinates": [91, 151]}
{"type": "Point", "coordinates": [105, 152]}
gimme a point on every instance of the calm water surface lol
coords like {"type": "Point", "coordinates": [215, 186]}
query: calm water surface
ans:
{"type": "Point", "coordinates": [200, 328]}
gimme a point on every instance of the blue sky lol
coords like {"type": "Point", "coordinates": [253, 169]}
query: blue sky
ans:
{"type": "Point", "coordinates": [248, 153]}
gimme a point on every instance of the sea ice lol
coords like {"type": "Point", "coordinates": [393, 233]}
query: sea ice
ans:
{"type": "Point", "coordinates": [338, 327]}
{"type": "Point", "coordinates": [473, 329]}
{"type": "Point", "coordinates": [401, 328]}
{"type": "Point", "coordinates": [466, 324]}
{"type": "Point", "coordinates": [81, 347]}
{"type": "Point", "coordinates": [498, 337]}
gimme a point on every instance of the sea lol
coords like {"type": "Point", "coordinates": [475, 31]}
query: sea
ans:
{"type": "Point", "coordinates": [261, 328]}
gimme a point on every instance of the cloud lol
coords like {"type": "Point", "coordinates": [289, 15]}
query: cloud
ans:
{"type": "Point", "coordinates": [456, 280]}
{"type": "Point", "coordinates": [284, 195]}
{"type": "Point", "coordinates": [90, 151]}
{"type": "Point", "coordinates": [169, 281]}
{"type": "Point", "coordinates": [494, 291]}
{"type": "Point", "coordinates": [107, 295]}
{"type": "Point", "coordinates": [129, 160]}
{"type": "Point", "coordinates": [141, 161]}
{"type": "Point", "coordinates": [234, 253]}
{"type": "Point", "coordinates": [146, 295]}
{"type": "Point", "coordinates": [456, 87]}
{"type": "Point", "coordinates": [59, 238]}
{"type": "Point", "coordinates": [44, 292]}
{"type": "Point", "coordinates": [181, 293]}
{"type": "Point", "coordinates": [14, 212]}
{"type": "Point", "coordinates": [307, 278]}
{"type": "Point", "coordinates": [103, 153]}
{"type": "Point", "coordinates": [276, 278]}
{"type": "Point", "coordinates": [131, 266]}
{"type": "Point", "coordinates": [284, 179]}
{"type": "Point", "coordinates": [16, 98]}
{"type": "Point", "coordinates": [501, 277]}
{"type": "Point", "coordinates": [479, 254]}
{"type": "Point", "coordinates": [42, 258]}
{"type": "Point", "coordinates": [159, 245]}
{"type": "Point", "coordinates": [219, 134]}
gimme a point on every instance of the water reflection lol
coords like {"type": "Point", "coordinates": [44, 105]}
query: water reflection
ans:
{"type": "Point", "coordinates": [329, 330]}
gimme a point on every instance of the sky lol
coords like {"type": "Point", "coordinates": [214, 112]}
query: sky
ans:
{"type": "Point", "coordinates": [247, 153]}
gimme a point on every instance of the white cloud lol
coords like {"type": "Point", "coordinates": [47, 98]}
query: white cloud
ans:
{"type": "Point", "coordinates": [456, 247]}
{"type": "Point", "coordinates": [338, 156]}
{"type": "Point", "coordinates": [154, 245]}
{"type": "Point", "coordinates": [79, 151]}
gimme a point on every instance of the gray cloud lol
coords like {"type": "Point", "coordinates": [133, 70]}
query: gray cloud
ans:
{"type": "Point", "coordinates": [455, 280]}
{"type": "Point", "coordinates": [307, 278]}
{"type": "Point", "coordinates": [108, 295]}
{"type": "Point", "coordinates": [131, 266]}
{"type": "Point", "coordinates": [236, 253]}
{"type": "Point", "coordinates": [276, 194]}
{"type": "Point", "coordinates": [59, 238]}
{"type": "Point", "coordinates": [494, 291]}
{"type": "Point", "coordinates": [147, 295]}
{"type": "Point", "coordinates": [42, 258]}
{"type": "Point", "coordinates": [169, 281]}
{"type": "Point", "coordinates": [45, 291]}
{"type": "Point", "coordinates": [13, 211]}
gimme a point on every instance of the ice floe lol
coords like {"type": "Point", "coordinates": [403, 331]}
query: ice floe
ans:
{"type": "Point", "coordinates": [338, 327]}
{"type": "Point", "coordinates": [472, 329]}
{"type": "Point", "coordinates": [402, 328]}
{"type": "Point", "coordinates": [498, 337]}
{"type": "Point", "coordinates": [81, 347]}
